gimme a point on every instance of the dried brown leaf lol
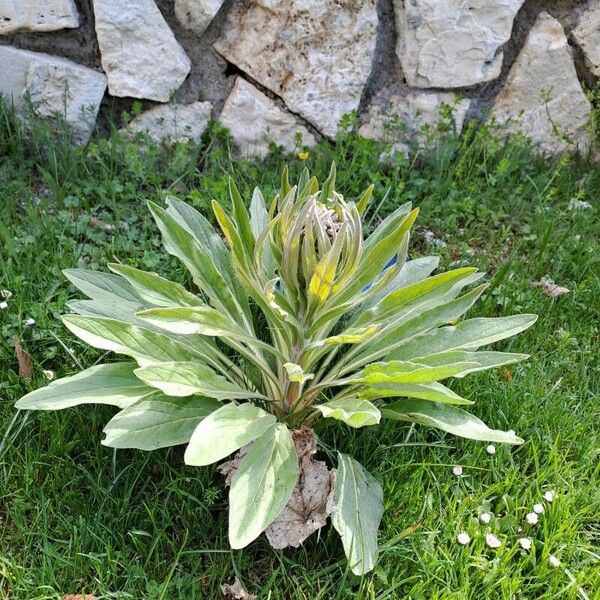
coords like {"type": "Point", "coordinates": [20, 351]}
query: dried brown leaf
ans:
{"type": "Point", "coordinates": [79, 597]}
{"type": "Point", "coordinates": [550, 288]}
{"type": "Point", "coordinates": [24, 360]}
{"type": "Point", "coordinates": [236, 591]}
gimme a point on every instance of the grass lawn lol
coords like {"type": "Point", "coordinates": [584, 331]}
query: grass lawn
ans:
{"type": "Point", "coordinates": [77, 517]}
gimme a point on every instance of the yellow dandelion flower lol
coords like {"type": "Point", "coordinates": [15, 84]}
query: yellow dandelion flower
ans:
{"type": "Point", "coordinates": [303, 155]}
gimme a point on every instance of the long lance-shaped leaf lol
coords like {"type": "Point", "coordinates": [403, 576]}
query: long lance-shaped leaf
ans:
{"type": "Point", "coordinates": [447, 418]}
{"type": "Point", "coordinates": [103, 286]}
{"type": "Point", "coordinates": [242, 218]}
{"type": "Point", "coordinates": [404, 329]}
{"type": "Point", "coordinates": [187, 378]}
{"type": "Point", "coordinates": [181, 243]}
{"type": "Point", "coordinates": [355, 412]}
{"type": "Point", "coordinates": [262, 485]}
{"type": "Point", "coordinates": [407, 372]}
{"type": "Point", "coordinates": [226, 430]}
{"type": "Point", "coordinates": [411, 272]}
{"type": "Point", "coordinates": [157, 422]}
{"type": "Point", "coordinates": [420, 296]}
{"type": "Point", "coordinates": [363, 201]}
{"type": "Point", "coordinates": [260, 226]}
{"type": "Point", "coordinates": [358, 508]}
{"type": "Point", "coordinates": [480, 360]}
{"type": "Point", "coordinates": [435, 392]}
{"type": "Point", "coordinates": [113, 384]}
{"type": "Point", "coordinates": [144, 345]}
{"type": "Point", "coordinates": [388, 225]}
{"type": "Point", "coordinates": [206, 235]}
{"type": "Point", "coordinates": [328, 186]}
{"type": "Point", "coordinates": [154, 289]}
{"type": "Point", "coordinates": [467, 335]}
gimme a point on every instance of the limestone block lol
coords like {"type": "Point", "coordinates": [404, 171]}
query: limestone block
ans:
{"type": "Point", "coordinates": [452, 43]}
{"type": "Point", "coordinates": [139, 52]}
{"type": "Point", "coordinates": [37, 15]}
{"type": "Point", "coordinates": [587, 36]}
{"type": "Point", "coordinates": [196, 14]}
{"type": "Point", "coordinates": [54, 86]}
{"type": "Point", "coordinates": [315, 54]}
{"type": "Point", "coordinates": [542, 97]}
{"type": "Point", "coordinates": [170, 123]}
{"type": "Point", "coordinates": [255, 120]}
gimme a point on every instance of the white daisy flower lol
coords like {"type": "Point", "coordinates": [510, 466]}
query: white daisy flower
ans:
{"type": "Point", "coordinates": [30, 321]}
{"type": "Point", "coordinates": [531, 518]}
{"type": "Point", "coordinates": [538, 508]}
{"type": "Point", "coordinates": [457, 470]}
{"type": "Point", "coordinates": [3, 305]}
{"type": "Point", "coordinates": [491, 449]}
{"type": "Point", "coordinates": [492, 541]}
{"type": "Point", "coordinates": [549, 496]}
{"type": "Point", "coordinates": [463, 538]}
{"type": "Point", "coordinates": [554, 562]}
{"type": "Point", "coordinates": [485, 517]}
{"type": "Point", "coordinates": [525, 543]}
{"type": "Point", "coordinates": [48, 374]}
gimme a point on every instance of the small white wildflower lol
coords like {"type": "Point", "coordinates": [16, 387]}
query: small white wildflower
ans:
{"type": "Point", "coordinates": [525, 543]}
{"type": "Point", "coordinates": [48, 374]}
{"type": "Point", "coordinates": [531, 518]}
{"type": "Point", "coordinates": [554, 562]}
{"type": "Point", "coordinates": [3, 305]}
{"type": "Point", "coordinates": [6, 294]}
{"type": "Point", "coordinates": [576, 204]}
{"type": "Point", "coordinates": [463, 538]}
{"type": "Point", "coordinates": [30, 321]}
{"type": "Point", "coordinates": [549, 496]}
{"type": "Point", "coordinates": [457, 470]}
{"type": "Point", "coordinates": [491, 449]}
{"type": "Point", "coordinates": [492, 541]}
{"type": "Point", "coordinates": [538, 508]}
{"type": "Point", "coordinates": [485, 517]}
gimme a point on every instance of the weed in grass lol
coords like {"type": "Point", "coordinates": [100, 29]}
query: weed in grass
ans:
{"type": "Point", "coordinates": [79, 518]}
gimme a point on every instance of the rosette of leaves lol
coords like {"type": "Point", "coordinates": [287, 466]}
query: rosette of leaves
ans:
{"type": "Point", "coordinates": [295, 316]}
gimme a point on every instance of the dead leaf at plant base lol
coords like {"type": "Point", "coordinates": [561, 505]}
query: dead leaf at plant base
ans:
{"type": "Point", "coordinates": [24, 360]}
{"type": "Point", "coordinates": [79, 597]}
{"type": "Point", "coordinates": [312, 498]}
{"type": "Point", "coordinates": [236, 591]}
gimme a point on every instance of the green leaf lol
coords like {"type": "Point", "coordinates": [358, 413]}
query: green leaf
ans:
{"type": "Point", "coordinates": [113, 384]}
{"type": "Point", "coordinates": [262, 485]}
{"type": "Point", "coordinates": [358, 507]}
{"type": "Point", "coordinates": [448, 418]}
{"type": "Point", "coordinates": [190, 320]}
{"type": "Point", "coordinates": [355, 412]}
{"type": "Point", "coordinates": [102, 286]}
{"type": "Point", "coordinates": [144, 345]}
{"type": "Point", "coordinates": [426, 391]}
{"type": "Point", "coordinates": [157, 422]}
{"type": "Point", "coordinates": [397, 371]}
{"type": "Point", "coordinates": [226, 430]}
{"type": "Point", "coordinates": [467, 335]}
{"type": "Point", "coordinates": [187, 378]}
{"type": "Point", "coordinates": [154, 289]}
{"type": "Point", "coordinates": [479, 360]}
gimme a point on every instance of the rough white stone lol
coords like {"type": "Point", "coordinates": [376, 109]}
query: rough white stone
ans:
{"type": "Point", "coordinates": [139, 52]}
{"type": "Point", "coordinates": [255, 120]}
{"type": "Point", "coordinates": [173, 122]}
{"type": "Point", "coordinates": [403, 116]}
{"type": "Point", "coordinates": [315, 54]}
{"type": "Point", "coordinates": [452, 43]}
{"type": "Point", "coordinates": [54, 86]}
{"type": "Point", "coordinates": [196, 14]}
{"type": "Point", "coordinates": [542, 96]}
{"type": "Point", "coordinates": [37, 15]}
{"type": "Point", "coordinates": [587, 36]}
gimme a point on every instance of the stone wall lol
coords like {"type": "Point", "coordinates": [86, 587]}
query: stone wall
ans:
{"type": "Point", "coordinates": [273, 69]}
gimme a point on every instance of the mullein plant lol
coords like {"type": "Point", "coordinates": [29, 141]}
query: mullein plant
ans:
{"type": "Point", "coordinates": [295, 317]}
